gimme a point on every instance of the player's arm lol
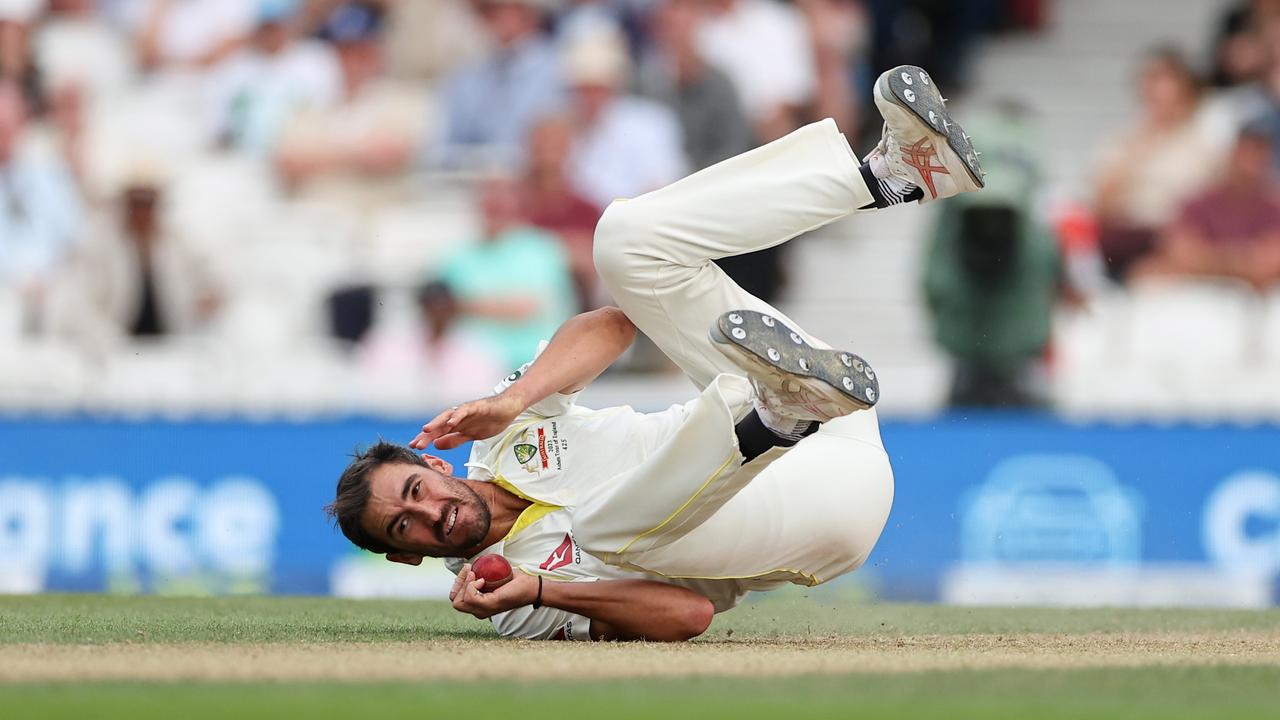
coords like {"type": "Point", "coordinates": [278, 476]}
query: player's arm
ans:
{"type": "Point", "coordinates": [579, 351]}
{"type": "Point", "coordinates": [619, 609]}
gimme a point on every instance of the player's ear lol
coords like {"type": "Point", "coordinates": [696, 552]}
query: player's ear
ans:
{"type": "Point", "coordinates": [440, 465]}
{"type": "Point", "coordinates": [405, 558]}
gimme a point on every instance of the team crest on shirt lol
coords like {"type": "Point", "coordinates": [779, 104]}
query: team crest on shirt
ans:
{"type": "Point", "coordinates": [525, 452]}
{"type": "Point", "coordinates": [541, 448]}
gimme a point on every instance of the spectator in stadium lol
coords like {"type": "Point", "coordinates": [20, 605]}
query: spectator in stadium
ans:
{"type": "Point", "coordinates": [513, 287]}
{"type": "Point", "coordinates": [1240, 93]}
{"type": "Point", "coordinates": [1238, 53]}
{"type": "Point", "coordinates": [1150, 169]}
{"type": "Point", "coordinates": [623, 145]}
{"type": "Point", "coordinates": [191, 33]}
{"type": "Point", "coordinates": [1258, 103]}
{"type": "Point", "coordinates": [489, 105]}
{"type": "Point", "coordinates": [17, 23]}
{"type": "Point", "coordinates": [40, 205]}
{"type": "Point", "coordinates": [583, 18]}
{"type": "Point", "coordinates": [429, 40]}
{"type": "Point", "coordinates": [711, 119]}
{"type": "Point", "coordinates": [404, 352]}
{"type": "Point", "coordinates": [765, 48]}
{"type": "Point", "coordinates": [77, 48]}
{"type": "Point", "coordinates": [702, 96]}
{"type": "Point", "coordinates": [941, 34]}
{"type": "Point", "coordinates": [356, 151]}
{"type": "Point", "coordinates": [1232, 229]}
{"type": "Point", "coordinates": [135, 278]}
{"type": "Point", "coordinates": [253, 93]}
{"type": "Point", "coordinates": [452, 354]}
{"type": "Point", "coordinates": [553, 204]}
{"type": "Point", "coordinates": [840, 31]}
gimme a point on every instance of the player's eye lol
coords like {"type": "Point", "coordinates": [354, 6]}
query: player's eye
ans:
{"type": "Point", "coordinates": [404, 525]}
{"type": "Point", "coordinates": [416, 488]}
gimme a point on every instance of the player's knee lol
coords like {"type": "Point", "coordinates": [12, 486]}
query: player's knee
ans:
{"type": "Point", "coordinates": [848, 546]}
{"type": "Point", "coordinates": [617, 233]}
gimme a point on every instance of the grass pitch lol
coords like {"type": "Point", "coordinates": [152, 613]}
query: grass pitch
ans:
{"type": "Point", "coordinates": [112, 657]}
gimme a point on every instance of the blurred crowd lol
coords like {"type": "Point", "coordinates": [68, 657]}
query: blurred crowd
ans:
{"type": "Point", "coordinates": [409, 186]}
{"type": "Point", "coordinates": [1184, 205]}
{"type": "Point", "coordinates": [1190, 187]}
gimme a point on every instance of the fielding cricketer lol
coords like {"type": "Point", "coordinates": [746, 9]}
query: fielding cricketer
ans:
{"type": "Point", "coordinates": [625, 525]}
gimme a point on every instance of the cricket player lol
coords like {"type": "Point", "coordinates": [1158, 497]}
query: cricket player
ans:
{"type": "Point", "coordinates": [626, 525]}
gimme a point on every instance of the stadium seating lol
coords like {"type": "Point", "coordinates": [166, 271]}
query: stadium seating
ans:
{"type": "Point", "coordinates": [1172, 349]}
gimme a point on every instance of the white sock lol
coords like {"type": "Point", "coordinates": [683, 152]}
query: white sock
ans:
{"type": "Point", "coordinates": [880, 168]}
{"type": "Point", "coordinates": [781, 425]}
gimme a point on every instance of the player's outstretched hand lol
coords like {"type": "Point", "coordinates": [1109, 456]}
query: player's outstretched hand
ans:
{"type": "Point", "coordinates": [476, 420]}
{"type": "Point", "coordinates": [467, 594]}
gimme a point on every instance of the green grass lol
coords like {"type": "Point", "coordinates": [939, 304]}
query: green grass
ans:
{"type": "Point", "coordinates": [91, 619]}
{"type": "Point", "coordinates": [1160, 694]}
{"type": "Point", "coordinates": [1166, 693]}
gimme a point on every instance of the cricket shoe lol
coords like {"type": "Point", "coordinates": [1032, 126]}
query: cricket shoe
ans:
{"type": "Point", "coordinates": [792, 378]}
{"type": "Point", "coordinates": [922, 144]}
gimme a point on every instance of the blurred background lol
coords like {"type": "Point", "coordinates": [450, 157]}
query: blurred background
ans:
{"type": "Point", "coordinates": [240, 237]}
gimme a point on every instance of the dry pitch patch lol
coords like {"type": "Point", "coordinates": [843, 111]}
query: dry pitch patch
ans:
{"type": "Point", "coordinates": [459, 659]}
{"type": "Point", "coordinates": [78, 638]}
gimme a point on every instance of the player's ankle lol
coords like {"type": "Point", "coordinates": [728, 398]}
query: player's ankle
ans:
{"type": "Point", "coordinates": [785, 426]}
{"type": "Point", "coordinates": [886, 188]}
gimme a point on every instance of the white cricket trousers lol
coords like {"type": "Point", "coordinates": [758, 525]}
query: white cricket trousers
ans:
{"type": "Point", "coordinates": [692, 511]}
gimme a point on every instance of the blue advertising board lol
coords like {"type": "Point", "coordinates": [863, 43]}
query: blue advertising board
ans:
{"type": "Point", "coordinates": [235, 506]}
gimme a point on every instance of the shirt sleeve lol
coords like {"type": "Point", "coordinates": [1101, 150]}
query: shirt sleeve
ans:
{"type": "Point", "coordinates": [542, 624]}
{"type": "Point", "coordinates": [550, 406]}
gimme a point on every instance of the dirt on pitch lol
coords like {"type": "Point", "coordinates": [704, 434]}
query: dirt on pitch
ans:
{"type": "Point", "coordinates": [470, 659]}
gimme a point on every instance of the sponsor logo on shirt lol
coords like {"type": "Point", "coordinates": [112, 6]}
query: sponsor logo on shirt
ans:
{"type": "Point", "coordinates": [542, 447]}
{"type": "Point", "coordinates": [563, 555]}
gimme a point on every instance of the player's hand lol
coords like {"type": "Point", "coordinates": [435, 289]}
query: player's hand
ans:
{"type": "Point", "coordinates": [467, 594]}
{"type": "Point", "coordinates": [476, 420]}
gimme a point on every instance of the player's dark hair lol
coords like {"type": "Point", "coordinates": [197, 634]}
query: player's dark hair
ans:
{"type": "Point", "coordinates": [353, 491]}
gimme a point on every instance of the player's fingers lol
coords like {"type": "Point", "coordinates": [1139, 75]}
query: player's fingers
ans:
{"type": "Point", "coordinates": [451, 441]}
{"type": "Point", "coordinates": [430, 431]}
{"type": "Point", "coordinates": [457, 586]}
{"type": "Point", "coordinates": [458, 415]}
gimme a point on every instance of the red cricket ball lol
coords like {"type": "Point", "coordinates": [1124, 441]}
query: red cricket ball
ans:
{"type": "Point", "coordinates": [495, 570]}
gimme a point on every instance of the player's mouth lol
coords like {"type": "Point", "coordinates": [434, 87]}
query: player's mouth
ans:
{"type": "Point", "coordinates": [453, 520]}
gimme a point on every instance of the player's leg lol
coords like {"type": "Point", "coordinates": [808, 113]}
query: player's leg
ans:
{"type": "Point", "coordinates": [803, 515]}
{"type": "Point", "coordinates": [654, 253]}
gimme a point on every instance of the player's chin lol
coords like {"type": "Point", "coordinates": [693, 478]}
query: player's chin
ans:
{"type": "Point", "coordinates": [471, 527]}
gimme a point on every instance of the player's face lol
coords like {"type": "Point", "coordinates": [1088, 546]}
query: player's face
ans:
{"type": "Point", "coordinates": [418, 510]}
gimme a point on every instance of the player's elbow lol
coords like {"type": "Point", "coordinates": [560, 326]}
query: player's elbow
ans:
{"type": "Point", "coordinates": [694, 618]}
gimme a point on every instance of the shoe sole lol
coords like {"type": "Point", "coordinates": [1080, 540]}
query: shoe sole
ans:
{"type": "Point", "coordinates": [912, 89]}
{"type": "Point", "coordinates": [782, 355]}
